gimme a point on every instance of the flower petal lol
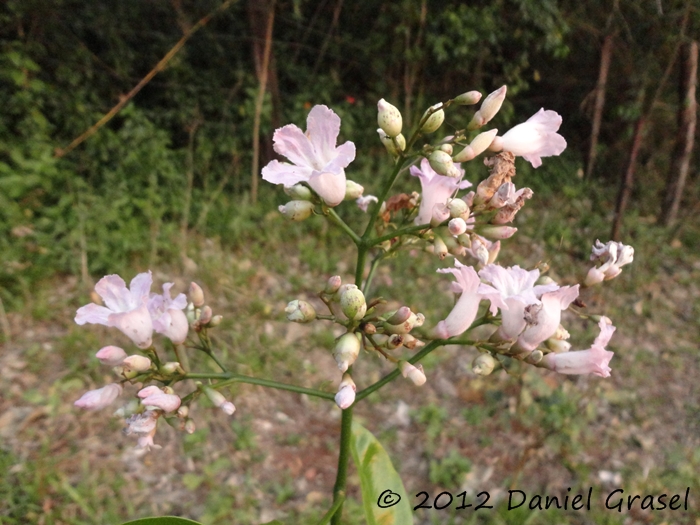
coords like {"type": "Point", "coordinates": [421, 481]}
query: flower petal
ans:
{"type": "Point", "coordinates": [278, 172]}
{"type": "Point", "coordinates": [329, 186]}
{"type": "Point", "coordinates": [322, 128]}
{"type": "Point", "coordinates": [292, 143]}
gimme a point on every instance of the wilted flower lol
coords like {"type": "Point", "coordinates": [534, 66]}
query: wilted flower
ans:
{"type": "Point", "coordinates": [592, 361]}
{"type": "Point", "coordinates": [363, 202]}
{"type": "Point", "coordinates": [126, 309]}
{"type": "Point", "coordinates": [535, 138]}
{"type": "Point", "coordinates": [437, 189]}
{"type": "Point", "coordinates": [314, 156]}
{"type": "Point", "coordinates": [413, 373]}
{"type": "Point", "coordinates": [144, 427]}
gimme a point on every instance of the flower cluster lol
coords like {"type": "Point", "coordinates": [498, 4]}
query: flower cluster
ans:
{"type": "Point", "coordinates": [138, 313]}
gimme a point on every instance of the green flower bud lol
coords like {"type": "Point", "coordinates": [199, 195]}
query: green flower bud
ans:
{"type": "Point", "coordinates": [297, 210]}
{"type": "Point", "coordinates": [484, 364]}
{"type": "Point", "coordinates": [389, 118]}
{"type": "Point", "coordinates": [346, 350]}
{"type": "Point", "coordinates": [333, 285]}
{"type": "Point", "coordinates": [353, 303]}
{"type": "Point", "coordinates": [300, 312]}
{"type": "Point", "coordinates": [442, 163]}
{"type": "Point", "coordinates": [468, 98]}
{"type": "Point", "coordinates": [435, 120]}
{"type": "Point", "coordinates": [298, 192]}
{"type": "Point", "coordinates": [353, 190]}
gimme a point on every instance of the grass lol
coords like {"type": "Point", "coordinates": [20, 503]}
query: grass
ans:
{"type": "Point", "coordinates": [276, 458]}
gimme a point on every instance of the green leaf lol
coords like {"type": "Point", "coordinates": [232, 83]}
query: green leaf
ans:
{"type": "Point", "coordinates": [165, 520]}
{"type": "Point", "coordinates": [380, 483]}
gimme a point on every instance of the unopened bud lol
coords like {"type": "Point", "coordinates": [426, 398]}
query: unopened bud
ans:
{"type": "Point", "coordinates": [171, 368]}
{"type": "Point", "coordinates": [442, 163]}
{"type": "Point", "coordinates": [468, 98]}
{"type": "Point", "coordinates": [440, 248]}
{"type": "Point", "coordinates": [346, 350]}
{"type": "Point", "coordinates": [205, 315]}
{"type": "Point", "coordinates": [389, 118]}
{"type": "Point", "coordinates": [458, 208]}
{"type": "Point", "coordinates": [414, 373]}
{"type": "Point", "coordinates": [298, 192]}
{"type": "Point", "coordinates": [496, 232]}
{"type": "Point", "coordinates": [558, 346]}
{"type": "Point", "coordinates": [534, 357]}
{"type": "Point", "coordinates": [447, 148]}
{"type": "Point", "coordinates": [434, 121]}
{"type": "Point", "coordinates": [297, 210]}
{"type": "Point", "coordinates": [405, 327]}
{"type": "Point", "coordinates": [190, 426]}
{"type": "Point", "coordinates": [346, 392]}
{"type": "Point", "coordinates": [489, 107]}
{"type": "Point", "coordinates": [111, 355]}
{"type": "Point", "coordinates": [215, 321]}
{"type": "Point", "coordinates": [183, 411]}
{"type": "Point", "coordinates": [137, 363]}
{"type": "Point", "coordinates": [300, 312]}
{"type": "Point", "coordinates": [483, 364]}
{"type": "Point", "coordinates": [369, 329]}
{"type": "Point", "coordinates": [457, 226]}
{"type": "Point", "coordinates": [333, 285]}
{"type": "Point", "coordinates": [353, 303]}
{"type": "Point", "coordinates": [400, 316]}
{"type": "Point", "coordinates": [196, 295]}
{"type": "Point", "coordinates": [353, 190]}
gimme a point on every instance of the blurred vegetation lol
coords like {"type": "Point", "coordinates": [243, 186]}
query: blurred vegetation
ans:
{"type": "Point", "coordinates": [122, 198]}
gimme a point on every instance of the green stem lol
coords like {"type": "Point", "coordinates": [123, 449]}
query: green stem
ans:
{"type": "Point", "coordinates": [181, 354]}
{"type": "Point", "coordinates": [432, 345]}
{"type": "Point", "coordinates": [370, 276]}
{"type": "Point", "coordinates": [335, 218]}
{"type": "Point", "coordinates": [399, 232]}
{"type": "Point", "coordinates": [360, 265]}
{"type": "Point", "coordinates": [332, 511]}
{"type": "Point", "coordinates": [381, 198]}
{"type": "Point", "coordinates": [341, 477]}
{"type": "Point", "coordinates": [238, 378]}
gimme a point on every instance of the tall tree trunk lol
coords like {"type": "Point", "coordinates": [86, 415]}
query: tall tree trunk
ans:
{"type": "Point", "coordinates": [605, 55]}
{"type": "Point", "coordinates": [262, 65]}
{"type": "Point", "coordinates": [628, 180]}
{"type": "Point", "coordinates": [687, 120]}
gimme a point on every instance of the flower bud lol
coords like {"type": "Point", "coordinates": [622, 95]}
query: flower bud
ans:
{"type": "Point", "coordinates": [228, 408]}
{"type": "Point", "coordinates": [353, 303]}
{"type": "Point", "coordinates": [218, 400]}
{"type": "Point", "coordinates": [442, 163]}
{"type": "Point", "coordinates": [298, 192]}
{"type": "Point", "coordinates": [447, 148]}
{"type": "Point", "coordinates": [369, 329]}
{"type": "Point", "coordinates": [149, 391]}
{"type": "Point", "coordinates": [457, 226]}
{"type": "Point", "coordinates": [297, 210]}
{"type": "Point", "coordinates": [489, 107]}
{"type": "Point", "coordinates": [414, 373]}
{"type": "Point", "coordinates": [196, 295]}
{"type": "Point", "coordinates": [137, 363]}
{"type": "Point", "coordinates": [389, 118]}
{"type": "Point", "coordinates": [439, 247]}
{"type": "Point", "coordinates": [434, 121]}
{"type": "Point", "coordinates": [100, 398]}
{"type": "Point", "coordinates": [190, 426]}
{"type": "Point", "coordinates": [346, 350]}
{"type": "Point", "coordinates": [458, 208]}
{"type": "Point", "coordinates": [300, 312]}
{"type": "Point", "coordinates": [534, 357]}
{"type": "Point", "coordinates": [496, 232]}
{"type": "Point", "coordinates": [170, 368]}
{"type": "Point", "coordinates": [111, 355]}
{"type": "Point", "coordinates": [353, 190]}
{"type": "Point", "coordinates": [468, 98]}
{"type": "Point", "coordinates": [483, 364]}
{"type": "Point", "coordinates": [162, 401]}
{"type": "Point", "coordinates": [400, 316]}
{"type": "Point", "coordinates": [333, 285]}
{"type": "Point", "coordinates": [205, 315]}
{"type": "Point", "coordinates": [215, 321]}
{"type": "Point", "coordinates": [346, 392]}
{"type": "Point", "coordinates": [183, 411]}
{"type": "Point", "coordinates": [558, 346]}
{"type": "Point", "coordinates": [405, 327]}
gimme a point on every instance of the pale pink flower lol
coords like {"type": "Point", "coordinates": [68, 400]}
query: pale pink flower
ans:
{"type": "Point", "coordinates": [483, 250]}
{"type": "Point", "coordinates": [544, 319]}
{"type": "Point", "coordinates": [614, 255]}
{"type": "Point", "coordinates": [511, 290]}
{"type": "Point", "coordinates": [149, 391]}
{"type": "Point", "coordinates": [533, 139]}
{"type": "Point", "coordinates": [464, 312]}
{"type": "Point", "coordinates": [144, 427]}
{"type": "Point", "coordinates": [315, 158]}
{"type": "Point", "coordinates": [437, 189]}
{"type": "Point", "coordinates": [592, 361]}
{"type": "Point", "coordinates": [163, 401]}
{"type": "Point", "coordinates": [125, 308]}
{"type": "Point", "coordinates": [100, 398]}
{"type": "Point", "coordinates": [345, 396]}
{"type": "Point", "coordinates": [167, 314]}
{"type": "Point", "coordinates": [363, 202]}
{"type": "Point", "coordinates": [111, 355]}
